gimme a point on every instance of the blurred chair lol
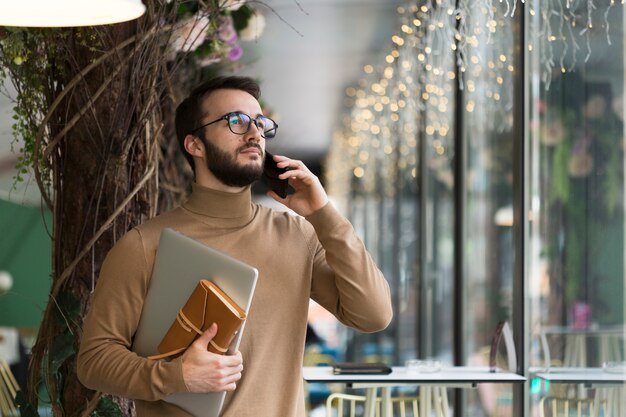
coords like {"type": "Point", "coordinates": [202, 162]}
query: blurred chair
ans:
{"type": "Point", "coordinates": [349, 405]}
{"type": "Point", "coordinates": [315, 393]}
{"type": "Point", "coordinates": [406, 406]}
{"type": "Point", "coordinates": [8, 389]}
{"type": "Point", "coordinates": [338, 404]}
{"type": "Point", "coordinates": [576, 347]}
{"type": "Point", "coordinates": [314, 358]}
{"type": "Point", "coordinates": [499, 354]}
{"type": "Point", "coordinates": [566, 407]}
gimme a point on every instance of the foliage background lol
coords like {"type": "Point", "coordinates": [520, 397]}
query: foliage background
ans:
{"type": "Point", "coordinates": [93, 125]}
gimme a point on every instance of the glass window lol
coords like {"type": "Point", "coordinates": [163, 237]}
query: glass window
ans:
{"type": "Point", "coordinates": [439, 180]}
{"type": "Point", "coordinates": [436, 93]}
{"type": "Point", "coordinates": [575, 253]}
{"type": "Point", "coordinates": [487, 77]}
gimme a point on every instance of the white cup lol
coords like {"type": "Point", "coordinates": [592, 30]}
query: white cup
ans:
{"type": "Point", "coordinates": [418, 366]}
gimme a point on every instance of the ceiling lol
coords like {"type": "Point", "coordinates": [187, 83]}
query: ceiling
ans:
{"type": "Point", "coordinates": [309, 52]}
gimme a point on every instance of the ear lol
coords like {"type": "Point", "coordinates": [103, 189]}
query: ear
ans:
{"type": "Point", "coordinates": [194, 146]}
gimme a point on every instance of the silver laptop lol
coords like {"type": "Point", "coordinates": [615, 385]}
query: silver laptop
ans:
{"type": "Point", "coordinates": [179, 264]}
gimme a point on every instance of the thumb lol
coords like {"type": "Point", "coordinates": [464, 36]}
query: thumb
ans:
{"type": "Point", "coordinates": [275, 196]}
{"type": "Point", "coordinates": [207, 336]}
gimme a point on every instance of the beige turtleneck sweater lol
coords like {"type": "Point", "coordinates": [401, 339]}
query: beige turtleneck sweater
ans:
{"type": "Point", "coordinates": [319, 257]}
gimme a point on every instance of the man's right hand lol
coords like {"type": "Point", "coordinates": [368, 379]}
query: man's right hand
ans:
{"type": "Point", "coordinates": [204, 371]}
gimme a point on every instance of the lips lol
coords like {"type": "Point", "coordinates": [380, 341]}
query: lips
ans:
{"type": "Point", "coordinates": [252, 150]}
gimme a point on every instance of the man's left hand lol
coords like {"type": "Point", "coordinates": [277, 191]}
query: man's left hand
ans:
{"type": "Point", "coordinates": [309, 194]}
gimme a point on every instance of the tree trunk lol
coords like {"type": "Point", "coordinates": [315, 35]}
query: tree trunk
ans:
{"type": "Point", "coordinates": [104, 173]}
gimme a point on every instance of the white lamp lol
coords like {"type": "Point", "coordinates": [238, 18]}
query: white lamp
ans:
{"type": "Point", "coordinates": [65, 13]}
{"type": "Point", "coordinates": [6, 282]}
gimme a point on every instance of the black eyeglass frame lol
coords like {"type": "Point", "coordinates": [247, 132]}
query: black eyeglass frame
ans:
{"type": "Point", "coordinates": [252, 119]}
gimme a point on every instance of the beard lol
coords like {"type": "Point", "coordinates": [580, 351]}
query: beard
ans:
{"type": "Point", "coordinates": [226, 169]}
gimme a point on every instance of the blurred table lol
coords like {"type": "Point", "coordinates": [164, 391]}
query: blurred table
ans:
{"type": "Point", "coordinates": [610, 385]}
{"type": "Point", "coordinates": [429, 383]}
{"type": "Point", "coordinates": [575, 341]}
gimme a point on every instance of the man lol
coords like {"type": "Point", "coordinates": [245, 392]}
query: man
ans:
{"type": "Point", "coordinates": [222, 131]}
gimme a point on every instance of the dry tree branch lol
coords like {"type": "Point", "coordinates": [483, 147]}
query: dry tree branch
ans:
{"type": "Point", "coordinates": [89, 106]}
{"type": "Point", "coordinates": [154, 30]}
{"type": "Point", "coordinates": [92, 404]}
{"type": "Point", "coordinates": [42, 126]}
{"type": "Point", "coordinates": [80, 76]}
{"type": "Point", "coordinates": [282, 19]}
{"type": "Point", "coordinates": [68, 271]}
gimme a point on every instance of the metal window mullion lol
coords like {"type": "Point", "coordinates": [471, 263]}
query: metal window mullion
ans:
{"type": "Point", "coordinates": [459, 237]}
{"type": "Point", "coordinates": [520, 219]}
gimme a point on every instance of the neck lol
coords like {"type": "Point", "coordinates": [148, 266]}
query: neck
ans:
{"type": "Point", "coordinates": [218, 204]}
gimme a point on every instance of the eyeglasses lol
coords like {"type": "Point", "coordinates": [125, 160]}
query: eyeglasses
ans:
{"type": "Point", "coordinates": [239, 123]}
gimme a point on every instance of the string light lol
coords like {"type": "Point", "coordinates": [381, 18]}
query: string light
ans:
{"type": "Point", "coordinates": [439, 46]}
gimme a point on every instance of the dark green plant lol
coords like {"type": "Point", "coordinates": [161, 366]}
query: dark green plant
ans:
{"type": "Point", "coordinates": [582, 152]}
{"type": "Point", "coordinates": [93, 123]}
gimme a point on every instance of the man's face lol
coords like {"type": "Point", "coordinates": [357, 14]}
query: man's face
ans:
{"type": "Point", "coordinates": [235, 160]}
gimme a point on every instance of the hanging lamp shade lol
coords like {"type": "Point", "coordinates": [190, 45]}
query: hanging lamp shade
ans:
{"type": "Point", "coordinates": [65, 13]}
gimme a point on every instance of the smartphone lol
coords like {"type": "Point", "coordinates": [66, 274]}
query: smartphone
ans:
{"type": "Point", "coordinates": [358, 368]}
{"type": "Point", "coordinates": [270, 176]}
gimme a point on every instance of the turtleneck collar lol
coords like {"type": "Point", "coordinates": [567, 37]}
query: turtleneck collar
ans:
{"type": "Point", "coordinates": [219, 204]}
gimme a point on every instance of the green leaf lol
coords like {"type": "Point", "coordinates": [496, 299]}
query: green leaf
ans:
{"type": "Point", "coordinates": [560, 189]}
{"type": "Point", "coordinates": [68, 308]}
{"type": "Point", "coordinates": [241, 17]}
{"type": "Point", "coordinates": [26, 408]}
{"type": "Point", "coordinates": [62, 350]}
{"type": "Point", "coordinates": [183, 9]}
{"type": "Point", "coordinates": [107, 408]}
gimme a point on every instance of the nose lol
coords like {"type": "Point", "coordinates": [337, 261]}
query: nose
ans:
{"type": "Point", "coordinates": [257, 132]}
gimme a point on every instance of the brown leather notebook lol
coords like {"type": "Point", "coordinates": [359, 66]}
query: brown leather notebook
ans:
{"type": "Point", "coordinates": [206, 305]}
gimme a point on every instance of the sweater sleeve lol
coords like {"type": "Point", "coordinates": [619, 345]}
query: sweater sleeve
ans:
{"type": "Point", "coordinates": [105, 362]}
{"type": "Point", "coordinates": [346, 281]}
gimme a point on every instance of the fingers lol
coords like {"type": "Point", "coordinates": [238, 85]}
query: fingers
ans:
{"type": "Point", "coordinates": [207, 336]}
{"type": "Point", "coordinates": [234, 360]}
{"type": "Point", "coordinates": [208, 372]}
{"type": "Point", "coordinates": [297, 169]}
{"type": "Point", "coordinates": [293, 174]}
{"type": "Point", "coordinates": [292, 164]}
{"type": "Point", "coordinates": [230, 383]}
{"type": "Point", "coordinates": [309, 195]}
{"type": "Point", "coordinates": [226, 376]}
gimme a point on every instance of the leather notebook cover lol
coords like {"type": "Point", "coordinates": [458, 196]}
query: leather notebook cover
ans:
{"type": "Point", "coordinates": [207, 304]}
{"type": "Point", "coordinates": [354, 368]}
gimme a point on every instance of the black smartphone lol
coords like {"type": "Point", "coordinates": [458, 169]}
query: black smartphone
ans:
{"type": "Point", "coordinates": [357, 368]}
{"type": "Point", "coordinates": [270, 176]}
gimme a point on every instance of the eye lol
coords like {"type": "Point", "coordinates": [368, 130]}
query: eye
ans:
{"type": "Point", "coordinates": [267, 123]}
{"type": "Point", "coordinates": [262, 122]}
{"type": "Point", "coordinates": [238, 119]}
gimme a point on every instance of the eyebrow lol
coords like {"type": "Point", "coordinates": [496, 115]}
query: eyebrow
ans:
{"type": "Point", "coordinates": [232, 111]}
{"type": "Point", "coordinates": [241, 111]}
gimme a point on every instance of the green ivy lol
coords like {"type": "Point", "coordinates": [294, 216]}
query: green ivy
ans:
{"type": "Point", "coordinates": [241, 17]}
{"type": "Point", "coordinates": [107, 408]}
{"type": "Point", "coordinates": [23, 54]}
{"type": "Point", "coordinates": [560, 190]}
{"type": "Point", "coordinates": [26, 408]}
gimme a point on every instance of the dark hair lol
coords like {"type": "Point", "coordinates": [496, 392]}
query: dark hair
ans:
{"type": "Point", "coordinates": [189, 112]}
